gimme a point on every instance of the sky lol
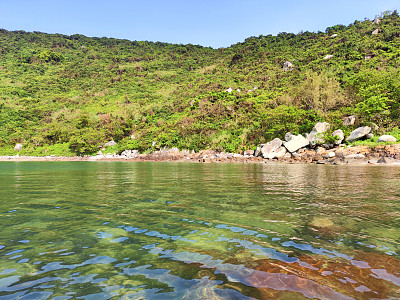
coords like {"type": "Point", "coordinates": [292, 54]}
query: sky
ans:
{"type": "Point", "coordinates": [214, 23]}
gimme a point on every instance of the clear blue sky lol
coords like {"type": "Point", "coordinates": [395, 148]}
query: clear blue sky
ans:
{"type": "Point", "coordinates": [216, 23]}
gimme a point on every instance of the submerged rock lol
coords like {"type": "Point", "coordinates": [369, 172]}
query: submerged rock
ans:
{"type": "Point", "coordinates": [321, 222]}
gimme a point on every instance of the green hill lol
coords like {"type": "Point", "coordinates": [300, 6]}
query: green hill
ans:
{"type": "Point", "coordinates": [71, 94]}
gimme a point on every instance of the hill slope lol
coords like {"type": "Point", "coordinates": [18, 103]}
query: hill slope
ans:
{"type": "Point", "coordinates": [70, 94]}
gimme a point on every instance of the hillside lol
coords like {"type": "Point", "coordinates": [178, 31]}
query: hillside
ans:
{"type": "Point", "coordinates": [69, 95]}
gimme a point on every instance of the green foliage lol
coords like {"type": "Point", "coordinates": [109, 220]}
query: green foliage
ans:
{"type": "Point", "coordinates": [82, 92]}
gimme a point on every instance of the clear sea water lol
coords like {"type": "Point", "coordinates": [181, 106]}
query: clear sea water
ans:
{"type": "Point", "coordinates": [123, 230]}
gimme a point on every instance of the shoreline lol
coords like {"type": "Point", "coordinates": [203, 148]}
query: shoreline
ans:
{"type": "Point", "coordinates": [354, 155]}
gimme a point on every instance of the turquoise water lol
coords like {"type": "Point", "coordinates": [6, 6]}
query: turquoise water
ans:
{"type": "Point", "coordinates": [121, 230]}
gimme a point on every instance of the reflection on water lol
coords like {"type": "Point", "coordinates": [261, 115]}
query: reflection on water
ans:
{"type": "Point", "coordinates": [83, 230]}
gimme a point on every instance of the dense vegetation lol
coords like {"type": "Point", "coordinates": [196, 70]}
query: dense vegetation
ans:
{"type": "Point", "coordinates": [71, 94]}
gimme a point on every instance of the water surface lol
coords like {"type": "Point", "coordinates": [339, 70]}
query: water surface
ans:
{"type": "Point", "coordinates": [121, 230]}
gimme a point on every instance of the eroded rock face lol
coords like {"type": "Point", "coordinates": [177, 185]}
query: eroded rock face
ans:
{"type": "Point", "coordinates": [18, 147]}
{"type": "Point", "coordinates": [386, 138]}
{"type": "Point", "coordinates": [270, 149]}
{"type": "Point", "coordinates": [359, 133]}
{"type": "Point", "coordinates": [297, 142]}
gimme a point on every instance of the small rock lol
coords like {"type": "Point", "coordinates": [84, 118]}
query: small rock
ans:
{"type": "Point", "coordinates": [229, 90]}
{"type": "Point", "coordinates": [376, 31]}
{"type": "Point", "coordinates": [133, 137]}
{"type": "Point", "coordinates": [328, 155]}
{"type": "Point", "coordinates": [288, 136]}
{"type": "Point", "coordinates": [249, 152]}
{"type": "Point", "coordinates": [376, 21]}
{"type": "Point", "coordinates": [349, 121]}
{"type": "Point", "coordinates": [328, 57]}
{"type": "Point", "coordinates": [355, 156]}
{"type": "Point", "coordinates": [110, 144]}
{"type": "Point", "coordinates": [18, 147]}
{"type": "Point", "coordinates": [359, 133]}
{"type": "Point", "coordinates": [369, 136]}
{"type": "Point", "coordinates": [334, 35]}
{"type": "Point", "coordinates": [287, 66]}
{"type": "Point", "coordinates": [386, 138]}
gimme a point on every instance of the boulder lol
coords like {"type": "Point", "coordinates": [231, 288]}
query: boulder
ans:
{"type": "Point", "coordinates": [269, 150]}
{"type": "Point", "coordinates": [295, 143]}
{"type": "Point", "coordinates": [376, 31]}
{"type": "Point", "coordinates": [315, 138]}
{"type": "Point", "coordinates": [18, 147]}
{"type": "Point", "coordinates": [110, 144]}
{"type": "Point", "coordinates": [386, 138]}
{"type": "Point", "coordinates": [281, 152]}
{"type": "Point", "coordinates": [359, 133]}
{"type": "Point", "coordinates": [349, 121]}
{"type": "Point", "coordinates": [130, 153]}
{"type": "Point", "coordinates": [321, 127]}
{"type": "Point", "coordinates": [257, 153]}
{"type": "Point", "coordinates": [328, 57]}
{"type": "Point", "coordinates": [287, 66]}
{"type": "Point", "coordinates": [339, 133]}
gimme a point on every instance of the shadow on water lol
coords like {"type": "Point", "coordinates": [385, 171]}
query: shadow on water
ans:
{"type": "Point", "coordinates": [84, 230]}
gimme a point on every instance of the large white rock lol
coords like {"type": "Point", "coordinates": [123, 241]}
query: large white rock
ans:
{"type": "Point", "coordinates": [296, 142]}
{"type": "Point", "coordinates": [269, 150]}
{"type": "Point", "coordinates": [386, 138]}
{"type": "Point", "coordinates": [359, 133]}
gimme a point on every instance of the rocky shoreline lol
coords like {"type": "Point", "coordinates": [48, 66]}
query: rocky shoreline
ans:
{"type": "Point", "coordinates": [385, 154]}
{"type": "Point", "coordinates": [320, 146]}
